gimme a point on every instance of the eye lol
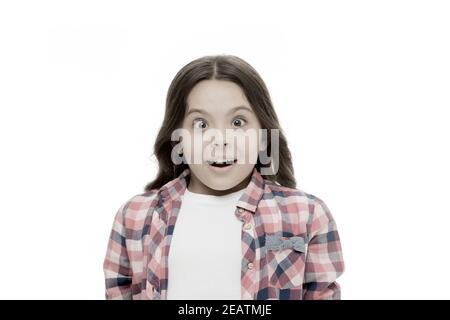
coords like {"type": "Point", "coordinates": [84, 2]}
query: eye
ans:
{"type": "Point", "coordinates": [199, 124]}
{"type": "Point", "coordinates": [239, 122]}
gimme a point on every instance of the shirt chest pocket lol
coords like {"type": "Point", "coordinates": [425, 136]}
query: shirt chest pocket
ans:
{"type": "Point", "coordinates": [285, 257]}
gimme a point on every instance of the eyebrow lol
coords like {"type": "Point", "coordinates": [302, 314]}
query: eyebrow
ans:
{"type": "Point", "coordinates": [229, 112]}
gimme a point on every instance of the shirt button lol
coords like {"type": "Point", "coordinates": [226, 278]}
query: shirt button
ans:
{"type": "Point", "coordinates": [250, 265]}
{"type": "Point", "coordinates": [247, 226]}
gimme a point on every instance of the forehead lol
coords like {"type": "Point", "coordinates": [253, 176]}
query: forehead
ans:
{"type": "Point", "coordinates": [216, 96]}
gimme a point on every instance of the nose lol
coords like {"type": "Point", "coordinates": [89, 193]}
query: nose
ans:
{"type": "Point", "coordinates": [216, 144]}
{"type": "Point", "coordinates": [220, 140]}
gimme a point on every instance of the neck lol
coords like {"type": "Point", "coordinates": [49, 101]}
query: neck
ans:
{"type": "Point", "coordinates": [197, 186]}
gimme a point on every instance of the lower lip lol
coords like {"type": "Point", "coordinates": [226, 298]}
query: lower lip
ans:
{"type": "Point", "coordinates": [221, 169]}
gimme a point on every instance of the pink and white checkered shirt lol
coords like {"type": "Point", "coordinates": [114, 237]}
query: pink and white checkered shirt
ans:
{"type": "Point", "coordinates": [290, 244]}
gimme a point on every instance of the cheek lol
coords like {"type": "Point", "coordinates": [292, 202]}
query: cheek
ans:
{"type": "Point", "coordinates": [249, 150]}
{"type": "Point", "coordinates": [194, 149]}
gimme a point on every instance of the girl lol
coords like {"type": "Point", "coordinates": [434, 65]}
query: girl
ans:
{"type": "Point", "coordinates": [243, 229]}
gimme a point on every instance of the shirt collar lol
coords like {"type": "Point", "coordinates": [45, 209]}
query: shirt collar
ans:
{"type": "Point", "coordinates": [249, 200]}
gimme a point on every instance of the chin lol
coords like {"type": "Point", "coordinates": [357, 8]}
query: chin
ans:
{"type": "Point", "coordinates": [221, 186]}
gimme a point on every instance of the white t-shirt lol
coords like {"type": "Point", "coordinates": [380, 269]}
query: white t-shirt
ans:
{"type": "Point", "coordinates": [205, 253]}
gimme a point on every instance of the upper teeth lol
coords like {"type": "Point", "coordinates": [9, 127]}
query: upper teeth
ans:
{"type": "Point", "coordinates": [221, 161]}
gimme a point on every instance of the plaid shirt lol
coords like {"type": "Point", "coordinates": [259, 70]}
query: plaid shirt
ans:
{"type": "Point", "coordinates": [290, 244]}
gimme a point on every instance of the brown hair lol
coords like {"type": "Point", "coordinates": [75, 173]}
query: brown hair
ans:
{"type": "Point", "coordinates": [218, 67]}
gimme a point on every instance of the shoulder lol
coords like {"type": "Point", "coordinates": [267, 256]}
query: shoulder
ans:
{"type": "Point", "coordinates": [295, 195]}
{"type": "Point", "coordinates": [133, 211]}
{"type": "Point", "coordinates": [296, 199]}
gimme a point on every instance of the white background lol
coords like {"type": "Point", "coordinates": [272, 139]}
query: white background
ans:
{"type": "Point", "coordinates": [361, 89]}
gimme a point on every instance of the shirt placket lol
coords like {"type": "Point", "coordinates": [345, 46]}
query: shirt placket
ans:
{"type": "Point", "coordinates": [249, 265]}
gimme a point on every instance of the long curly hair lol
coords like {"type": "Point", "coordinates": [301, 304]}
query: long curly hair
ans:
{"type": "Point", "coordinates": [218, 67]}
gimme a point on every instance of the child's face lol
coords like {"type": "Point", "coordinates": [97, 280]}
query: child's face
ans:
{"type": "Point", "coordinates": [217, 130]}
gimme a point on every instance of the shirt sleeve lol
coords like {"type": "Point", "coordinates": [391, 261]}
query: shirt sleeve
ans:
{"type": "Point", "coordinates": [116, 266]}
{"type": "Point", "coordinates": [324, 260]}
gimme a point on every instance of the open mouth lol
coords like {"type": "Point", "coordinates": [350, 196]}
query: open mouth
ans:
{"type": "Point", "coordinates": [221, 163]}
